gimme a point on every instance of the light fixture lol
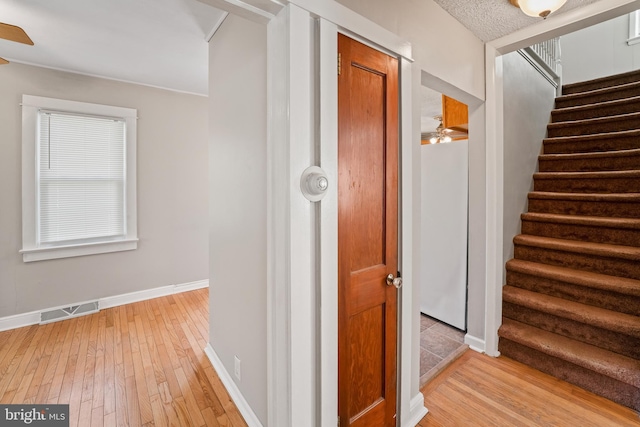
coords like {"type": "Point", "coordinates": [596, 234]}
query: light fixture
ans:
{"type": "Point", "coordinates": [538, 8]}
{"type": "Point", "coordinates": [440, 135]}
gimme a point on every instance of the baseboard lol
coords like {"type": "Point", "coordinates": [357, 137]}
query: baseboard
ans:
{"type": "Point", "coordinates": [417, 411]}
{"type": "Point", "coordinates": [162, 291]}
{"type": "Point", "coordinates": [33, 317]}
{"type": "Point", "coordinates": [19, 320]}
{"type": "Point", "coordinates": [475, 344]}
{"type": "Point", "coordinates": [233, 390]}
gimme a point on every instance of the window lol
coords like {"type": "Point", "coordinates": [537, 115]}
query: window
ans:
{"type": "Point", "coordinates": [634, 28]}
{"type": "Point", "coordinates": [78, 178]}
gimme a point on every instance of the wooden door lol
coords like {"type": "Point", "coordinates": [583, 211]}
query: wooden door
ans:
{"type": "Point", "coordinates": [367, 235]}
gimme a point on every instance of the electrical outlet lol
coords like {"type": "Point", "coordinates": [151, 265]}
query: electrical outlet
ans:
{"type": "Point", "coordinates": [236, 368]}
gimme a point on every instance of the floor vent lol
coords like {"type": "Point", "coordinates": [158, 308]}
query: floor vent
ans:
{"type": "Point", "coordinates": [69, 312]}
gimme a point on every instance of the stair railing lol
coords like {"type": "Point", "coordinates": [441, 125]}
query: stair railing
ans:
{"type": "Point", "coordinates": [545, 57]}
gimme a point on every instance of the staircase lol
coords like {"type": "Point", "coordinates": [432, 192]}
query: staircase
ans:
{"type": "Point", "coordinates": [571, 303]}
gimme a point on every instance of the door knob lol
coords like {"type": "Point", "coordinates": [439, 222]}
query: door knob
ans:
{"type": "Point", "coordinates": [314, 183]}
{"type": "Point", "coordinates": [394, 281]}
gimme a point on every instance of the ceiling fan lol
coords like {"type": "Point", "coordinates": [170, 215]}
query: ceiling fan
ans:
{"type": "Point", "coordinates": [15, 34]}
{"type": "Point", "coordinates": [442, 134]}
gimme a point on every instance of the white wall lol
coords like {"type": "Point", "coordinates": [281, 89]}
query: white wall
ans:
{"type": "Point", "coordinates": [238, 204]}
{"type": "Point", "coordinates": [172, 195]}
{"type": "Point", "coordinates": [598, 51]}
{"type": "Point", "coordinates": [528, 100]}
{"type": "Point", "coordinates": [441, 46]}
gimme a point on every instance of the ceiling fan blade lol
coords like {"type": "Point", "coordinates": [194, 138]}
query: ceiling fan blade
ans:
{"type": "Point", "coordinates": [3, 61]}
{"type": "Point", "coordinates": [14, 33]}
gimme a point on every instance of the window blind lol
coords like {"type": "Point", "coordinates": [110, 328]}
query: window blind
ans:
{"type": "Point", "coordinates": [81, 177]}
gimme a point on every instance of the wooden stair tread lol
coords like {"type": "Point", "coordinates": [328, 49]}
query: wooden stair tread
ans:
{"type": "Point", "coordinates": [599, 249]}
{"type": "Point", "coordinates": [589, 279]}
{"type": "Point", "coordinates": [587, 314]}
{"type": "Point", "coordinates": [614, 365]}
{"type": "Point", "coordinates": [591, 155]}
{"type": "Point", "coordinates": [586, 175]}
{"type": "Point", "coordinates": [594, 221]}
{"type": "Point", "coordinates": [595, 136]}
{"type": "Point", "coordinates": [583, 122]}
{"type": "Point", "coordinates": [596, 105]}
{"type": "Point", "coordinates": [595, 92]}
{"type": "Point", "coordinates": [570, 87]}
{"type": "Point", "coordinates": [590, 197]}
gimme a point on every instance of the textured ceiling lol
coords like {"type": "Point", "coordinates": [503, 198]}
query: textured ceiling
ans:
{"type": "Point", "coordinates": [492, 19]}
{"type": "Point", "coordinates": [154, 42]}
{"type": "Point", "coordinates": [431, 106]}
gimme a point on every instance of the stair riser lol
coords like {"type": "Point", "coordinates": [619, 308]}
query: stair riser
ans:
{"type": "Point", "coordinates": [590, 165]}
{"type": "Point", "coordinates": [595, 382]}
{"type": "Point", "coordinates": [588, 185]}
{"type": "Point", "coordinates": [591, 208]}
{"type": "Point", "coordinates": [609, 340]}
{"type": "Point", "coordinates": [612, 95]}
{"type": "Point", "coordinates": [600, 83]}
{"type": "Point", "coordinates": [590, 128]}
{"type": "Point", "coordinates": [592, 145]}
{"type": "Point", "coordinates": [591, 296]}
{"type": "Point", "coordinates": [593, 113]}
{"type": "Point", "coordinates": [584, 233]}
{"type": "Point", "coordinates": [611, 266]}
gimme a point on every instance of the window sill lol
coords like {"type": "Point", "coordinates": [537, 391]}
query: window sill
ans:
{"type": "Point", "coordinates": [633, 40]}
{"type": "Point", "coordinates": [41, 254]}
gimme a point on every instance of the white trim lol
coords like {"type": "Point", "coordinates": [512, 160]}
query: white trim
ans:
{"type": "Point", "coordinates": [33, 317]}
{"type": "Point", "coordinates": [494, 198]}
{"type": "Point", "coordinates": [302, 265]}
{"type": "Point", "coordinates": [475, 343]}
{"type": "Point", "coordinates": [356, 24]}
{"type": "Point", "coordinates": [233, 390]}
{"type": "Point", "coordinates": [31, 251]}
{"type": "Point", "coordinates": [417, 411]}
{"type": "Point", "coordinates": [406, 316]}
{"type": "Point", "coordinates": [328, 94]}
{"type": "Point", "coordinates": [57, 252]}
{"type": "Point", "coordinates": [564, 23]}
{"type": "Point", "coordinates": [539, 65]}
{"type": "Point", "coordinates": [633, 40]}
{"type": "Point", "coordinates": [132, 297]}
{"type": "Point", "coordinates": [278, 233]}
{"type": "Point", "coordinates": [20, 320]}
{"type": "Point", "coordinates": [216, 27]}
{"type": "Point", "coordinates": [634, 31]}
{"type": "Point", "coordinates": [262, 11]}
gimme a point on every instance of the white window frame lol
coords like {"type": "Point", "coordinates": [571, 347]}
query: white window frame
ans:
{"type": "Point", "coordinates": [31, 251]}
{"type": "Point", "coordinates": [634, 28]}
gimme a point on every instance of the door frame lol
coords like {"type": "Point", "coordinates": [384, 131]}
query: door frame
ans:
{"type": "Point", "coordinates": [302, 253]}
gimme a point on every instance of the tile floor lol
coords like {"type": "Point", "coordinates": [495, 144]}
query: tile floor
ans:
{"type": "Point", "coordinates": [440, 344]}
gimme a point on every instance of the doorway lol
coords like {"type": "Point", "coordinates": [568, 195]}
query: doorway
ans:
{"type": "Point", "coordinates": [444, 212]}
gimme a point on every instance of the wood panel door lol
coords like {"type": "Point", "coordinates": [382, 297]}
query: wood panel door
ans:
{"type": "Point", "coordinates": [367, 235]}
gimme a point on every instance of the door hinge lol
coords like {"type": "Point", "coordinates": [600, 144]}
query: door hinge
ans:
{"type": "Point", "coordinates": [339, 71]}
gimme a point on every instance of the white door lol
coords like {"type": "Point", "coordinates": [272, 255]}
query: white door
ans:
{"type": "Point", "coordinates": [444, 237]}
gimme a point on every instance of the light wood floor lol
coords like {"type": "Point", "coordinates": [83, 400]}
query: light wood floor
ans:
{"type": "Point", "coordinates": [141, 364]}
{"type": "Point", "coordinates": [478, 390]}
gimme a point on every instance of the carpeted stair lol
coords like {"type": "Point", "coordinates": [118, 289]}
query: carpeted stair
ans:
{"type": "Point", "coordinates": [571, 303]}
